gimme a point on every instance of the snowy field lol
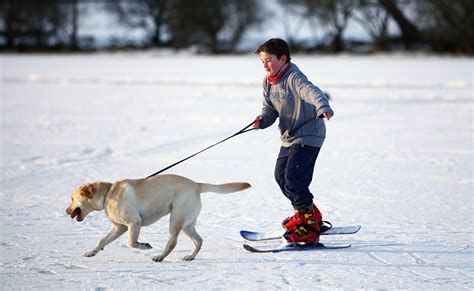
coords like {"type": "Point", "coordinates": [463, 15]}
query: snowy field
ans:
{"type": "Point", "coordinates": [398, 160]}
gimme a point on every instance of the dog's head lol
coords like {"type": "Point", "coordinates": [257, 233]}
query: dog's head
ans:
{"type": "Point", "coordinates": [81, 201]}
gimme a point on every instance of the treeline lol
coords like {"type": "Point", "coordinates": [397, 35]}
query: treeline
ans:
{"type": "Point", "coordinates": [218, 26]}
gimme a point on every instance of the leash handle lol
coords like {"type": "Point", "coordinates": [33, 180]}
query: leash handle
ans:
{"type": "Point", "coordinates": [243, 130]}
{"type": "Point", "coordinates": [246, 129]}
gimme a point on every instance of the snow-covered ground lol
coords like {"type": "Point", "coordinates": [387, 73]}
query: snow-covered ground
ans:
{"type": "Point", "coordinates": [398, 160]}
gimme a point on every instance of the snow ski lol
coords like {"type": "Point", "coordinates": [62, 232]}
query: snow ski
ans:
{"type": "Point", "coordinates": [278, 234]}
{"type": "Point", "coordinates": [286, 247]}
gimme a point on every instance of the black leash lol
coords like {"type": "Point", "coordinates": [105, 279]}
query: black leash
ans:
{"type": "Point", "coordinates": [243, 130]}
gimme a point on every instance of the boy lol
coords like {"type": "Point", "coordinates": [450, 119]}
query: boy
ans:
{"type": "Point", "coordinates": [301, 108]}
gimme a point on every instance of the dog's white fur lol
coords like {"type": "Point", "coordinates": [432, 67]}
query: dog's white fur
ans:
{"type": "Point", "coordinates": [131, 204]}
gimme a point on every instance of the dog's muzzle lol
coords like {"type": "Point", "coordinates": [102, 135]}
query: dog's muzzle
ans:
{"type": "Point", "coordinates": [75, 213]}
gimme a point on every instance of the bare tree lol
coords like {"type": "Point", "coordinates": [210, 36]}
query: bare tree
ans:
{"type": "Point", "coordinates": [34, 24]}
{"type": "Point", "coordinates": [217, 25]}
{"type": "Point", "coordinates": [334, 16]}
{"type": "Point", "coordinates": [148, 15]}
{"type": "Point", "coordinates": [331, 16]}
{"type": "Point", "coordinates": [40, 24]}
{"type": "Point", "coordinates": [409, 32]}
{"type": "Point", "coordinates": [74, 24]}
{"type": "Point", "coordinates": [293, 19]}
{"type": "Point", "coordinates": [447, 25]}
{"type": "Point", "coordinates": [374, 19]}
{"type": "Point", "coordinates": [246, 13]}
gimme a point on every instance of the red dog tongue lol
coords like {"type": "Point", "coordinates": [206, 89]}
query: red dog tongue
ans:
{"type": "Point", "coordinates": [75, 213]}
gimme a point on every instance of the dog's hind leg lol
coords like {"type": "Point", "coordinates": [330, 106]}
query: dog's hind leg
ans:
{"type": "Point", "coordinates": [190, 231]}
{"type": "Point", "coordinates": [176, 225]}
{"type": "Point", "coordinates": [116, 231]}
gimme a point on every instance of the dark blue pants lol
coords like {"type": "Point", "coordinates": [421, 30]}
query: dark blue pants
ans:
{"type": "Point", "coordinates": [294, 172]}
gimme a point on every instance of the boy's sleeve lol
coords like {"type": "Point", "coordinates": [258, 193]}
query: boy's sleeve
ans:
{"type": "Point", "coordinates": [311, 94]}
{"type": "Point", "coordinates": [269, 113]}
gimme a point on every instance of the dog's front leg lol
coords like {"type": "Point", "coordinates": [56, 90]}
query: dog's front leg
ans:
{"type": "Point", "coordinates": [117, 230]}
{"type": "Point", "coordinates": [133, 233]}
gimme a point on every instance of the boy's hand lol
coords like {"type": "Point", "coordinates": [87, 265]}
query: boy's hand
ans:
{"type": "Point", "coordinates": [258, 122]}
{"type": "Point", "coordinates": [327, 115]}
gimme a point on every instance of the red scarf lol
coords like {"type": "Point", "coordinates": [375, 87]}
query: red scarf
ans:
{"type": "Point", "coordinates": [275, 79]}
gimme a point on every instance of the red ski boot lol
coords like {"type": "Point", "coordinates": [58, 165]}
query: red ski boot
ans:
{"type": "Point", "coordinates": [304, 227]}
{"type": "Point", "coordinates": [291, 222]}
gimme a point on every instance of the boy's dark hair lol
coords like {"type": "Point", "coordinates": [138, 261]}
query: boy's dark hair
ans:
{"type": "Point", "coordinates": [275, 46]}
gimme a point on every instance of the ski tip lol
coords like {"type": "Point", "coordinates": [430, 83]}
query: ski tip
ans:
{"type": "Point", "coordinates": [250, 248]}
{"type": "Point", "coordinates": [248, 235]}
{"type": "Point", "coordinates": [334, 247]}
{"type": "Point", "coordinates": [251, 235]}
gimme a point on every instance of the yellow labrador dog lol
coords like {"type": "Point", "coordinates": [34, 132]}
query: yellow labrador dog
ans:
{"type": "Point", "coordinates": [131, 204]}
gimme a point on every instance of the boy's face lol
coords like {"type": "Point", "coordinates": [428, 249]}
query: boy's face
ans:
{"type": "Point", "coordinates": [271, 63]}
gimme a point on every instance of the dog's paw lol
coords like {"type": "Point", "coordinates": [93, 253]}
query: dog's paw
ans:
{"type": "Point", "coordinates": [144, 246]}
{"type": "Point", "coordinates": [91, 253]}
{"type": "Point", "coordinates": [189, 258]}
{"type": "Point", "coordinates": [157, 259]}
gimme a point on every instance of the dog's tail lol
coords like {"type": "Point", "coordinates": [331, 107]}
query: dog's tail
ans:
{"type": "Point", "coordinates": [223, 188]}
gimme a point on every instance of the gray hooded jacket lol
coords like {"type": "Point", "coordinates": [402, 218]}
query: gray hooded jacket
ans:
{"type": "Point", "coordinates": [299, 105]}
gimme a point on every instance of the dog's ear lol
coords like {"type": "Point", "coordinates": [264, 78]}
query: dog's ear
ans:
{"type": "Point", "coordinates": [87, 190]}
